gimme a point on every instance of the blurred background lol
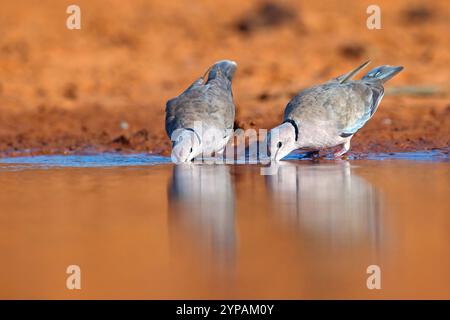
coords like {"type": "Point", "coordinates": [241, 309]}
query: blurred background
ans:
{"type": "Point", "coordinates": [104, 87]}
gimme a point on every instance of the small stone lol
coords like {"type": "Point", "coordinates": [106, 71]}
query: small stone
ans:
{"type": "Point", "coordinates": [386, 121]}
{"type": "Point", "coordinates": [124, 125]}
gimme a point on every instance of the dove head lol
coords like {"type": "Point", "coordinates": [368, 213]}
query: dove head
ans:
{"type": "Point", "coordinates": [223, 68]}
{"type": "Point", "coordinates": [186, 146]}
{"type": "Point", "coordinates": [282, 140]}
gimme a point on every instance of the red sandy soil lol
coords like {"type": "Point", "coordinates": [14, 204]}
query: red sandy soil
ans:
{"type": "Point", "coordinates": [104, 87]}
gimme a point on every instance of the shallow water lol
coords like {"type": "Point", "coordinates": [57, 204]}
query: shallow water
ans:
{"type": "Point", "coordinates": [140, 227]}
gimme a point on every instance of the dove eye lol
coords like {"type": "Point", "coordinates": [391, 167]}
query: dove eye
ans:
{"type": "Point", "coordinates": [279, 144]}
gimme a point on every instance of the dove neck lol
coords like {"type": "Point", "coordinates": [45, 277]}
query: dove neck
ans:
{"type": "Point", "coordinates": [221, 81]}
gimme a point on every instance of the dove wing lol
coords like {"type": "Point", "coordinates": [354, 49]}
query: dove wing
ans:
{"type": "Point", "coordinates": [349, 105]}
{"type": "Point", "coordinates": [208, 103]}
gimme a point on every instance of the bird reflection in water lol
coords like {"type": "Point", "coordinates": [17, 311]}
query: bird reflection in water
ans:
{"type": "Point", "coordinates": [202, 209]}
{"type": "Point", "coordinates": [328, 202]}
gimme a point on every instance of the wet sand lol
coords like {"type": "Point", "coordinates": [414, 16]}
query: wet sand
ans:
{"type": "Point", "coordinates": [104, 87]}
{"type": "Point", "coordinates": [161, 231]}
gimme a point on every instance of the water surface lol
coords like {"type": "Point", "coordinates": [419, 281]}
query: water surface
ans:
{"type": "Point", "coordinates": [140, 227]}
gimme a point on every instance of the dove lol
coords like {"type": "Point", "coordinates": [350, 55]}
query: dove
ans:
{"type": "Point", "coordinates": [200, 120]}
{"type": "Point", "coordinates": [328, 115]}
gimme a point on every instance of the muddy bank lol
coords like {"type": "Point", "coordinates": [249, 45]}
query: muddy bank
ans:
{"type": "Point", "coordinates": [130, 129]}
{"type": "Point", "coordinates": [104, 87]}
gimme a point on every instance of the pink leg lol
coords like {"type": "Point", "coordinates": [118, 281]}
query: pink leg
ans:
{"type": "Point", "coordinates": [343, 149]}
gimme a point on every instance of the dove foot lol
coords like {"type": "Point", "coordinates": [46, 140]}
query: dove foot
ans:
{"type": "Point", "coordinates": [312, 154]}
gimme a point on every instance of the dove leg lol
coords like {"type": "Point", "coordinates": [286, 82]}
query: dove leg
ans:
{"type": "Point", "coordinates": [343, 149]}
{"type": "Point", "coordinates": [222, 146]}
{"type": "Point", "coordinates": [220, 152]}
{"type": "Point", "coordinates": [221, 149]}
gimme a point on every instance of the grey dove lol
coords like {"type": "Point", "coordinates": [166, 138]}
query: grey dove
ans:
{"type": "Point", "coordinates": [328, 115]}
{"type": "Point", "coordinates": [200, 120]}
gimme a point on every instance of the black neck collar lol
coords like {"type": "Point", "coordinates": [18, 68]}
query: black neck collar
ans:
{"type": "Point", "coordinates": [196, 134]}
{"type": "Point", "coordinates": [294, 124]}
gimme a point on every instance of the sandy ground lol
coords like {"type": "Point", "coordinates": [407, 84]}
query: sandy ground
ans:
{"type": "Point", "coordinates": [104, 87]}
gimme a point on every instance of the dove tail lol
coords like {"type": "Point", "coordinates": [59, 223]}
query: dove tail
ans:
{"type": "Point", "coordinates": [382, 73]}
{"type": "Point", "coordinates": [348, 76]}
